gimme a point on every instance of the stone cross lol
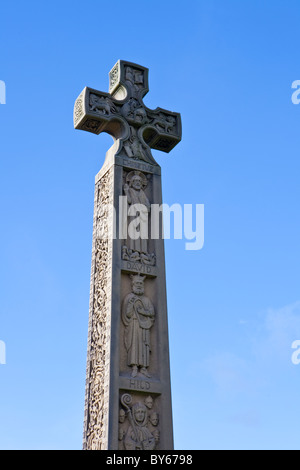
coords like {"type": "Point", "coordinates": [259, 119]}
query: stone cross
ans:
{"type": "Point", "coordinates": [128, 391]}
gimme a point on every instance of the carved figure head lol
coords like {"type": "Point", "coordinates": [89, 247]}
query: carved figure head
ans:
{"type": "Point", "coordinates": [156, 435]}
{"type": "Point", "coordinates": [121, 416]}
{"type": "Point", "coordinates": [136, 180]}
{"type": "Point", "coordinates": [154, 419]}
{"type": "Point", "coordinates": [139, 413]}
{"type": "Point", "coordinates": [149, 402]}
{"type": "Point", "coordinates": [137, 283]}
{"type": "Point", "coordinates": [121, 434]}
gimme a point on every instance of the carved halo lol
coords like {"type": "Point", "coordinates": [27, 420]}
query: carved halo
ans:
{"type": "Point", "coordinates": [137, 173]}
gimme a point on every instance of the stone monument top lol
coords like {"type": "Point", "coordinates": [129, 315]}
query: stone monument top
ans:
{"type": "Point", "coordinates": [121, 113]}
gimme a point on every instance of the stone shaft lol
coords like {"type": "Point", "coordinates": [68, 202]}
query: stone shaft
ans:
{"type": "Point", "coordinates": [109, 424]}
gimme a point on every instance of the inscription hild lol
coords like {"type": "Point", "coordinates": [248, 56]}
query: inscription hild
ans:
{"type": "Point", "coordinates": [140, 385]}
{"type": "Point", "coordinates": [143, 385]}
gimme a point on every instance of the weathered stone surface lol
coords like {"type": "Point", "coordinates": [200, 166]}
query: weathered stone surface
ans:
{"type": "Point", "coordinates": [128, 391]}
{"type": "Point", "coordinates": [123, 114]}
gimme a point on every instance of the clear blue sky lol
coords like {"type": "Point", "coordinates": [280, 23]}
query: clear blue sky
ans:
{"type": "Point", "coordinates": [234, 307]}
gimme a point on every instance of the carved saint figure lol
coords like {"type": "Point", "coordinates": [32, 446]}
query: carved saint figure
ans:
{"type": "Point", "coordinates": [138, 436]}
{"type": "Point", "coordinates": [136, 182]}
{"type": "Point", "coordinates": [137, 150]}
{"type": "Point", "coordinates": [138, 316]}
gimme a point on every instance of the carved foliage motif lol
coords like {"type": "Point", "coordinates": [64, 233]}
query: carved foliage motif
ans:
{"type": "Point", "coordinates": [98, 353]}
{"type": "Point", "coordinates": [138, 423]}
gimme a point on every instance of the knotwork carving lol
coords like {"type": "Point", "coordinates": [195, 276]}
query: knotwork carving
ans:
{"type": "Point", "coordinates": [78, 109]}
{"type": "Point", "coordinates": [114, 76]}
{"type": "Point", "coordinates": [96, 404]}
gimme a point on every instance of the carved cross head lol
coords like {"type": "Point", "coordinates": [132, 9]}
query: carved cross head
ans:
{"type": "Point", "coordinates": [122, 114]}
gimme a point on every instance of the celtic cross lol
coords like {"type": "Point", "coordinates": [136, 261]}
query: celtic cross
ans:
{"type": "Point", "coordinates": [128, 389]}
{"type": "Point", "coordinates": [122, 114]}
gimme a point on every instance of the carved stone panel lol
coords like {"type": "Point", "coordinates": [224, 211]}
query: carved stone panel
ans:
{"type": "Point", "coordinates": [138, 316]}
{"type": "Point", "coordinates": [138, 247]}
{"type": "Point", "coordinates": [101, 105]}
{"type": "Point", "coordinates": [138, 343]}
{"type": "Point", "coordinates": [78, 109]}
{"type": "Point", "coordinates": [96, 407]}
{"type": "Point", "coordinates": [139, 422]}
{"type": "Point", "coordinates": [114, 76]}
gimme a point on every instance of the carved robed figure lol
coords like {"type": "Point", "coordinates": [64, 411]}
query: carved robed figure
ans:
{"type": "Point", "coordinates": [138, 316]}
{"type": "Point", "coordinates": [136, 182]}
{"type": "Point", "coordinates": [128, 370]}
{"type": "Point", "coordinates": [138, 436]}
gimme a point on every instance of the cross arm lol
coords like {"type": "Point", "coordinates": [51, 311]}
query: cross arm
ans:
{"type": "Point", "coordinates": [98, 112]}
{"type": "Point", "coordinates": [163, 130]}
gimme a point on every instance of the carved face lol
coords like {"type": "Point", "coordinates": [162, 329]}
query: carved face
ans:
{"type": "Point", "coordinates": [138, 286]}
{"type": "Point", "coordinates": [156, 435]}
{"type": "Point", "coordinates": [154, 419]}
{"type": "Point", "coordinates": [136, 179]}
{"type": "Point", "coordinates": [149, 402]}
{"type": "Point", "coordinates": [137, 183]}
{"type": "Point", "coordinates": [140, 414]}
{"type": "Point", "coordinates": [121, 416]}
